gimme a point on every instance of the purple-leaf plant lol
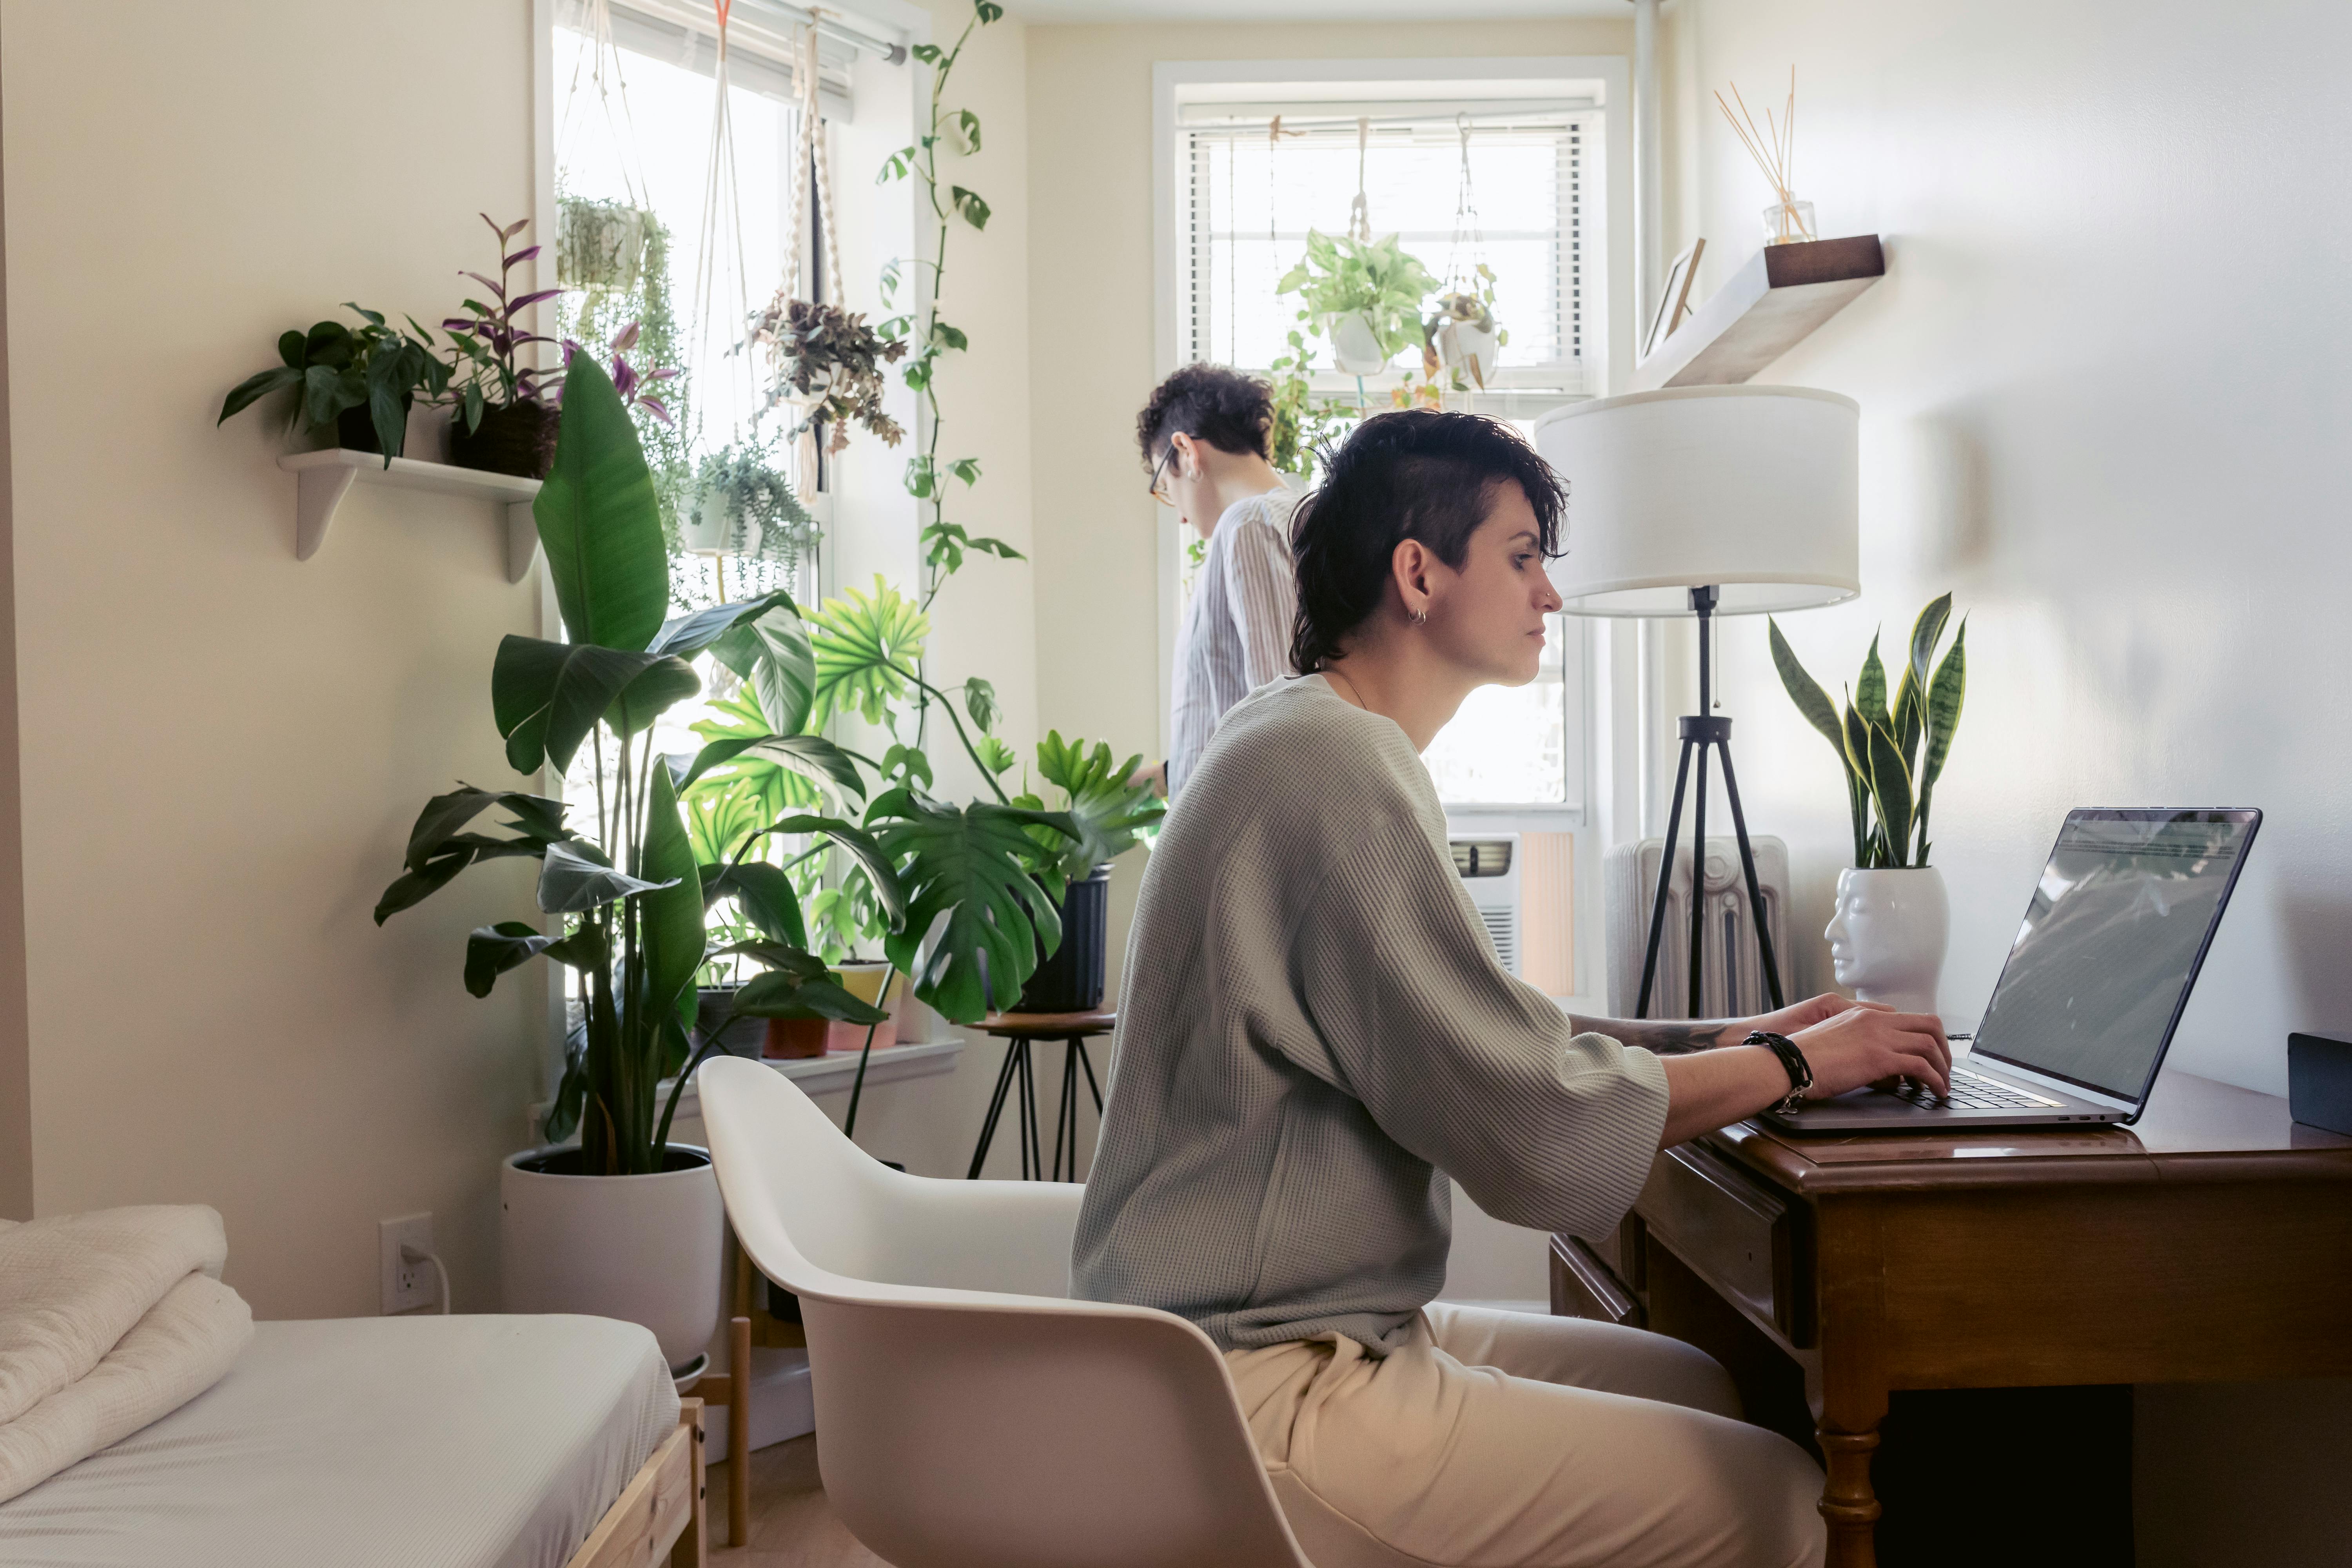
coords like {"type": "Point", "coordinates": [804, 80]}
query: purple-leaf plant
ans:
{"type": "Point", "coordinates": [485, 342]}
{"type": "Point", "coordinates": [627, 379]}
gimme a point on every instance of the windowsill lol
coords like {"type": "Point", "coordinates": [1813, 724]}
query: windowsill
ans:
{"type": "Point", "coordinates": [834, 1073]}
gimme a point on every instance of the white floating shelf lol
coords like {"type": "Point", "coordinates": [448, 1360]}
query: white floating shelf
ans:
{"type": "Point", "coordinates": [323, 479]}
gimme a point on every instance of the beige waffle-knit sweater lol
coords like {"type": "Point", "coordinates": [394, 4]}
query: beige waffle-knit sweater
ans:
{"type": "Point", "coordinates": [1314, 1033]}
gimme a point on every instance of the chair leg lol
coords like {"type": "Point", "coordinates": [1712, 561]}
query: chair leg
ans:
{"type": "Point", "coordinates": [739, 1432]}
{"type": "Point", "coordinates": [995, 1108]}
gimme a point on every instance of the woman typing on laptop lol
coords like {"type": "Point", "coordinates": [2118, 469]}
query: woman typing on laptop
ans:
{"type": "Point", "coordinates": [1320, 1036]}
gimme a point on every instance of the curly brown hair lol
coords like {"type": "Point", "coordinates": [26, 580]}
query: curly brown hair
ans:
{"type": "Point", "coordinates": [1229, 411]}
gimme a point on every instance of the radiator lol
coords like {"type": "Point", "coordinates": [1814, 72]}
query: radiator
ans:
{"type": "Point", "coordinates": [1731, 972]}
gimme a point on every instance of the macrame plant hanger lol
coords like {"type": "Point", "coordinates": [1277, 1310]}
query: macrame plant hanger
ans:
{"type": "Point", "coordinates": [809, 169]}
{"type": "Point", "coordinates": [1465, 265]}
{"type": "Point", "coordinates": [721, 309]}
{"type": "Point", "coordinates": [601, 65]}
{"type": "Point", "coordinates": [1360, 224]}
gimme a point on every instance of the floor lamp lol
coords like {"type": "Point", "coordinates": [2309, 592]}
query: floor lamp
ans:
{"type": "Point", "coordinates": [1706, 501]}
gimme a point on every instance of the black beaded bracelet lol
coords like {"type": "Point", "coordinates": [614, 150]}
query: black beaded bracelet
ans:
{"type": "Point", "coordinates": [1792, 1061]}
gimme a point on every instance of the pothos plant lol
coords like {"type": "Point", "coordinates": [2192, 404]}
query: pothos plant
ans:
{"type": "Point", "coordinates": [1890, 786]}
{"type": "Point", "coordinates": [1375, 279]}
{"type": "Point", "coordinates": [332, 368]}
{"type": "Point", "coordinates": [626, 902]}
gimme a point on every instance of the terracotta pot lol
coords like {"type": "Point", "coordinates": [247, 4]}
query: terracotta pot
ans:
{"type": "Point", "coordinates": [517, 438]}
{"type": "Point", "coordinates": [788, 1038]}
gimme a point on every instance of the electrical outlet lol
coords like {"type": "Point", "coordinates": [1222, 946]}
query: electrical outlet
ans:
{"type": "Point", "coordinates": [406, 1286]}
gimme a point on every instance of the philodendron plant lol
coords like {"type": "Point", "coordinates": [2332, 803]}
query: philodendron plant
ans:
{"type": "Point", "coordinates": [1376, 279]}
{"type": "Point", "coordinates": [626, 908]}
{"type": "Point", "coordinates": [1890, 786]}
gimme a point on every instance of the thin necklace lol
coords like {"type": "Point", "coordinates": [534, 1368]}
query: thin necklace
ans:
{"type": "Point", "coordinates": [1355, 695]}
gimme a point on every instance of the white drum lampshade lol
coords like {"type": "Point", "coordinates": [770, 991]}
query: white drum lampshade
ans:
{"type": "Point", "coordinates": [1752, 489]}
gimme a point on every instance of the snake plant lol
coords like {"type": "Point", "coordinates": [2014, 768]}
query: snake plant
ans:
{"type": "Point", "coordinates": [1890, 786]}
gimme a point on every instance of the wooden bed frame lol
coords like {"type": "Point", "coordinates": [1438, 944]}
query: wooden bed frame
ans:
{"type": "Point", "coordinates": [659, 1515]}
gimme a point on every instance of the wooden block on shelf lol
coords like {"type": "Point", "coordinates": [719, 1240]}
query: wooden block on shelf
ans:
{"type": "Point", "coordinates": [1766, 308]}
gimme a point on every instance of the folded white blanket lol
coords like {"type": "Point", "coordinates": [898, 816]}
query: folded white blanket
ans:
{"type": "Point", "coordinates": [107, 1320]}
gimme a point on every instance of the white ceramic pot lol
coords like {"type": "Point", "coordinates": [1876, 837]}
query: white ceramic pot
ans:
{"type": "Point", "coordinates": [1888, 936]}
{"type": "Point", "coordinates": [1469, 350]}
{"type": "Point", "coordinates": [645, 1249]}
{"type": "Point", "coordinates": [704, 530]}
{"type": "Point", "coordinates": [1355, 347]}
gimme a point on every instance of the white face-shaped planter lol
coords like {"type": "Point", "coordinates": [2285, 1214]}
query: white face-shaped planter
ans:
{"type": "Point", "coordinates": [1888, 936]}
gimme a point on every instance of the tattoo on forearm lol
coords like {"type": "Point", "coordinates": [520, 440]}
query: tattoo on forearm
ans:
{"type": "Point", "coordinates": [1666, 1037]}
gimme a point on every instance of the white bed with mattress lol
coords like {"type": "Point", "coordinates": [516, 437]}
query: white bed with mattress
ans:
{"type": "Point", "coordinates": [459, 1442]}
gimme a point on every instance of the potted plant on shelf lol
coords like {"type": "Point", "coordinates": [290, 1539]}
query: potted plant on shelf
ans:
{"type": "Point", "coordinates": [500, 423]}
{"type": "Point", "coordinates": [1113, 817]}
{"type": "Point", "coordinates": [1892, 918]}
{"type": "Point", "coordinates": [1364, 296]}
{"type": "Point", "coordinates": [356, 384]}
{"type": "Point", "coordinates": [625, 1224]}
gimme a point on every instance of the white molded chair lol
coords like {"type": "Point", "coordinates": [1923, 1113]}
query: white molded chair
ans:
{"type": "Point", "coordinates": [970, 1414]}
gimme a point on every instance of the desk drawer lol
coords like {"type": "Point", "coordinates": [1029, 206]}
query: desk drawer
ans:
{"type": "Point", "coordinates": [1582, 1286]}
{"type": "Point", "coordinates": [1737, 1234]}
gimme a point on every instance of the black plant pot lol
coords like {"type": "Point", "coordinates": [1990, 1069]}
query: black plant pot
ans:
{"type": "Point", "coordinates": [517, 438]}
{"type": "Point", "coordinates": [1070, 980]}
{"type": "Point", "coordinates": [742, 1036]}
{"type": "Point", "coordinates": [355, 427]}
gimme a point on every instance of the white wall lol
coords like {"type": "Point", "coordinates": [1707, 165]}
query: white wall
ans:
{"type": "Point", "coordinates": [2103, 402]}
{"type": "Point", "coordinates": [223, 748]}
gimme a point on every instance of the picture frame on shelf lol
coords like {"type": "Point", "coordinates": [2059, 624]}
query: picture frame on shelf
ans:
{"type": "Point", "coordinates": [1673, 297]}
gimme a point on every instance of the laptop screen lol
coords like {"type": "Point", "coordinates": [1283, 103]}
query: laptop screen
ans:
{"type": "Point", "coordinates": [2111, 942]}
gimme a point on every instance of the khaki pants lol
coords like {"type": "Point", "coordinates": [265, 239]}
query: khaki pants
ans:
{"type": "Point", "coordinates": [1505, 1440]}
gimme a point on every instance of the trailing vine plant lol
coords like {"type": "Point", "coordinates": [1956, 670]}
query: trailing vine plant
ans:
{"type": "Point", "coordinates": [945, 543]}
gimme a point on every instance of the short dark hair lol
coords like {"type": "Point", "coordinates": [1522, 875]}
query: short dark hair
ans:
{"type": "Point", "coordinates": [1413, 474]}
{"type": "Point", "coordinates": [1229, 411]}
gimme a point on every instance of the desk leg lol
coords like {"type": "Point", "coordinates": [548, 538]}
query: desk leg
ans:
{"type": "Point", "coordinates": [1847, 1501]}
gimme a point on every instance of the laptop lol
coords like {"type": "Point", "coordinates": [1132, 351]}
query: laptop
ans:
{"type": "Point", "coordinates": [2094, 983]}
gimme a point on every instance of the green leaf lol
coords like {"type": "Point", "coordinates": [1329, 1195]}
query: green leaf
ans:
{"type": "Point", "coordinates": [413, 888]}
{"type": "Point", "coordinates": [995, 754]}
{"type": "Point", "coordinates": [444, 816]}
{"type": "Point", "coordinates": [971, 865]}
{"type": "Point", "coordinates": [1805, 691]}
{"type": "Point", "coordinates": [949, 337]}
{"type": "Point", "coordinates": [546, 696]}
{"type": "Point", "coordinates": [778, 994]}
{"type": "Point", "coordinates": [879, 865]}
{"type": "Point", "coordinates": [576, 877]}
{"type": "Point", "coordinates": [1926, 633]}
{"type": "Point", "coordinates": [1945, 695]}
{"type": "Point", "coordinates": [1870, 692]}
{"type": "Point", "coordinates": [765, 895]}
{"type": "Point", "coordinates": [774, 655]}
{"type": "Point", "coordinates": [671, 911]}
{"type": "Point", "coordinates": [988, 11]}
{"type": "Point", "coordinates": [968, 124]}
{"type": "Point", "coordinates": [967, 202]}
{"type": "Point", "coordinates": [688, 634]}
{"type": "Point", "coordinates": [979, 701]}
{"type": "Point", "coordinates": [492, 950]}
{"type": "Point", "coordinates": [1890, 782]}
{"type": "Point", "coordinates": [599, 520]}
{"type": "Point", "coordinates": [861, 644]}
{"type": "Point", "coordinates": [927, 53]}
{"type": "Point", "coordinates": [1111, 814]}
{"type": "Point", "coordinates": [811, 756]}
{"type": "Point", "coordinates": [254, 388]}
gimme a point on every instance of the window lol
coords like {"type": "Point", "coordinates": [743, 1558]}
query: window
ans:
{"type": "Point", "coordinates": [1250, 200]}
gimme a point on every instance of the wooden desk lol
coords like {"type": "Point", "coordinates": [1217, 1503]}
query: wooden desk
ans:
{"type": "Point", "coordinates": [2211, 1243]}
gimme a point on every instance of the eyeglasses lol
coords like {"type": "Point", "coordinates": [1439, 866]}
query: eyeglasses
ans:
{"type": "Point", "coordinates": [1161, 476]}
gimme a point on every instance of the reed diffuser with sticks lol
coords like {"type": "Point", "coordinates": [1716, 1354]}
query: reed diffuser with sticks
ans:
{"type": "Point", "coordinates": [1787, 220]}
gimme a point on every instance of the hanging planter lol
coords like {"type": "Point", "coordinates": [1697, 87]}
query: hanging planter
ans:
{"type": "Point", "coordinates": [1355, 342]}
{"type": "Point", "coordinates": [1462, 333]}
{"type": "Point", "coordinates": [600, 245]}
{"type": "Point", "coordinates": [744, 506]}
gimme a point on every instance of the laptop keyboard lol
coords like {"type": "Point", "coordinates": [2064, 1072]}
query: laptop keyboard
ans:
{"type": "Point", "coordinates": [1973, 1092]}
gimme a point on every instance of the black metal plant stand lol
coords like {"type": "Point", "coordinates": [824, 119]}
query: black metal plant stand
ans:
{"type": "Point", "coordinates": [1699, 732]}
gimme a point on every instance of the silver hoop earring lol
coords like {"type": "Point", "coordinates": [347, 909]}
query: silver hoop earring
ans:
{"type": "Point", "coordinates": [1421, 617]}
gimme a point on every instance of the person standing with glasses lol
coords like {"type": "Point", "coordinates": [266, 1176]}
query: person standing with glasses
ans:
{"type": "Point", "coordinates": [1205, 436]}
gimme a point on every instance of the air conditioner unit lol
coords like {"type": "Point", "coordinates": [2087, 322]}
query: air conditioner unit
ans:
{"type": "Point", "coordinates": [1731, 966]}
{"type": "Point", "coordinates": [1489, 866]}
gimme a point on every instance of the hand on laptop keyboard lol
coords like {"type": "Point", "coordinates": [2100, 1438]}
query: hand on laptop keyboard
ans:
{"type": "Point", "coordinates": [1970, 1091]}
{"type": "Point", "coordinates": [1869, 1043]}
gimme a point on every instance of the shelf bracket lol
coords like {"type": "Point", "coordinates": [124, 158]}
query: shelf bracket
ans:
{"type": "Point", "coordinates": [317, 493]}
{"type": "Point", "coordinates": [522, 540]}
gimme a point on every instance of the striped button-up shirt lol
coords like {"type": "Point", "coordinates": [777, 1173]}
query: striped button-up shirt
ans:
{"type": "Point", "coordinates": [1236, 632]}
